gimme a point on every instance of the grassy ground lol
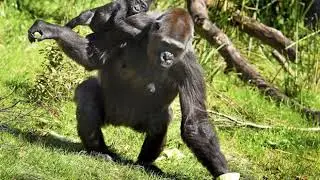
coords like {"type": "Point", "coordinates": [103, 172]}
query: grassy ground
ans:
{"type": "Point", "coordinates": [40, 141]}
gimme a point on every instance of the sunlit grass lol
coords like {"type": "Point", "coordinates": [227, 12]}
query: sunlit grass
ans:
{"type": "Point", "coordinates": [27, 152]}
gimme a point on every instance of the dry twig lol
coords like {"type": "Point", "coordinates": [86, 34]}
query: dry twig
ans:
{"type": "Point", "coordinates": [10, 107]}
{"type": "Point", "coordinates": [242, 123]}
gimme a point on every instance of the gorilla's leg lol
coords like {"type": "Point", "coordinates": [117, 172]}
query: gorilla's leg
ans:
{"type": "Point", "coordinates": [151, 148]}
{"type": "Point", "coordinates": [90, 116]}
{"type": "Point", "coordinates": [155, 140]}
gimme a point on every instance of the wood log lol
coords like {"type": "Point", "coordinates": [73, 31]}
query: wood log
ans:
{"type": "Point", "coordinates": [267, 35]}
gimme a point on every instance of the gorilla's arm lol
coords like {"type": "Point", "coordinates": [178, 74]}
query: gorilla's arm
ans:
{"type": "Point", "coordinates": [196, 130]}
{"type": "Point", "coordinates": [84, 18]}
{"type": "Point", "coordinates": [112, 15]}
{"type": "Point", "coordinates": [120, 22]}
{"type": "Point", "coordinates": [75, 46]}
{"type": "Point", "coordinates": [91, 52]}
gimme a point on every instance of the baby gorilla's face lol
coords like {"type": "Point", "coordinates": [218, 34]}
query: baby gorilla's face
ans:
{"type": "Point", "coordinates": [137, 6]}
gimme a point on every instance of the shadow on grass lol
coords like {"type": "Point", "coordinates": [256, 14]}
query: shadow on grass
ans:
{"type": "Point", "coordinates": [56, 141]}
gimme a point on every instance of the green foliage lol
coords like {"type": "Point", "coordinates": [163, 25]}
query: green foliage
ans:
{"type": "Point", "coordinates": [58, 78]}
{"type": "Point", "coordinates": [283, 15]}
{"type": "Point", "coordinates": [52, 9]}
{"type": "Point", "coordinates": [47, 9]}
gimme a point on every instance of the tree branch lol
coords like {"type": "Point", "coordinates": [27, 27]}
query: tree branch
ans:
{"type": "Point", "coordinates": [266, 34]}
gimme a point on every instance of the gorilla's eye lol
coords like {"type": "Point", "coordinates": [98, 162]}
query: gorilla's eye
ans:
{"type": "Point", "coordinates": [156, 26]}
{"type": "Point", "coordinates": [144, 7]}
{"type": "Point", "coordinates": [166, 59]}
{"type": "Point", "coordinates": [136, 8]}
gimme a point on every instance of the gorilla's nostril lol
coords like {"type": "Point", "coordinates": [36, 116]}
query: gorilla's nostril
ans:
{"type": "Point", "coordinates": [151, 87]}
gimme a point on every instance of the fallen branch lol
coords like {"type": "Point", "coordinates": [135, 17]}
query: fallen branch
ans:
{"type": "Point", "coordinates": [252, 27]}
{"type": "Point", "coordinates": [242, 123]}
{"type": "Point", "coordinates": [266, 34]}
{"type": "Point", "coordinates": [233, 58]}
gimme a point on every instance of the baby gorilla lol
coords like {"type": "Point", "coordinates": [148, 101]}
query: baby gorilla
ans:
{"type": "Point", "coordinates": [112, 15]}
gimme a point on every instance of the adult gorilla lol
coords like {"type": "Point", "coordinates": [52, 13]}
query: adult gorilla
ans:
{"type": "Point", "coordinates": [164, 57]}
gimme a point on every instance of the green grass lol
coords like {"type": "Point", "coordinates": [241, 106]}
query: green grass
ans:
{"type": "Point", "coordinates": [31, 146]}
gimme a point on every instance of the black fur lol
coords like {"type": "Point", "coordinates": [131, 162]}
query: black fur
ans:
{"type": "Point", "coordinates": [93, 51]}
{"type": "Point", "coordinates": [119, 96]}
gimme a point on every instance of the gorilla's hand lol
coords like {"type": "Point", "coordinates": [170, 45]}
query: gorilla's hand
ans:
{"type": "Point", "coordinates": [40, 30]}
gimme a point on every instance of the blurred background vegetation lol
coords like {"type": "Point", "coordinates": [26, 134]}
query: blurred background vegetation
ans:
{"type": "Point", "coordinates": [37, 83]}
